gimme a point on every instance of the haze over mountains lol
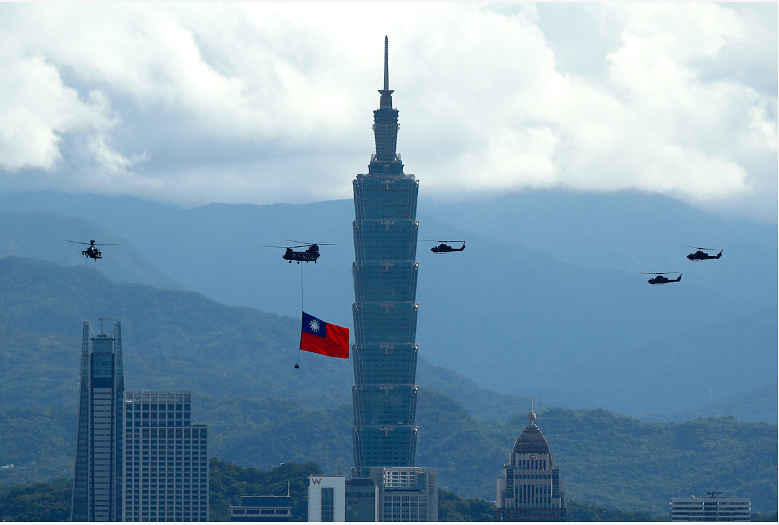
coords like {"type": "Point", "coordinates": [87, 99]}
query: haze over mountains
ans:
{"type": "Point", "coordinates": [545, 301]}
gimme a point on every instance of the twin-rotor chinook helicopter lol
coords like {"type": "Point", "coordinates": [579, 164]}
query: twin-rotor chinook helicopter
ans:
{"type": "Point", "coordinates": [91, 252]}
{"type": "Point", "coordinates": [310, 254]}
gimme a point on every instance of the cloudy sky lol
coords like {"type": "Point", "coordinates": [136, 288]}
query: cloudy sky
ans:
{"type": "Point", "coordinates": [261, 103]}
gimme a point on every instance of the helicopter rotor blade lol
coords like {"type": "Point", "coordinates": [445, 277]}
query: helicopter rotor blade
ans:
{"type": "Point", "coordinates": [284, 247]}
{"type": "Point", "coordinates": [431, 240]}
{"type": "Point", "coordinates": [310, 243]}
{"type": "Point", "coordinates": [93, 244]}
{"type": "Point", "coordinates": [699, 248]}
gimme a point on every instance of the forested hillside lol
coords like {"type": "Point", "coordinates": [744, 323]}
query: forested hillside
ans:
{"type": "Point", "coordinates": [262, 411]}
{"type": "Point", "coordinates": [545, 273]}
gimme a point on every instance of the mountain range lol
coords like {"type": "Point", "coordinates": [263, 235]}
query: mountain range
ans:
{"type": "Point", "coordinates": [546, 301]}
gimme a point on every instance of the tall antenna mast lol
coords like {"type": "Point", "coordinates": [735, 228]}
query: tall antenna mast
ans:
{"type": "Point", "coordinates": [386, 63]}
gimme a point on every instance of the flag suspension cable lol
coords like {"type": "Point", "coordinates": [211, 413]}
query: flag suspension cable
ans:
{"type": "Point", "coordinates": [297, 363]}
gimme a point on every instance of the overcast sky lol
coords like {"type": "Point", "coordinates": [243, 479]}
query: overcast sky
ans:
{"type": "Point", "coordinates": [262, 103]}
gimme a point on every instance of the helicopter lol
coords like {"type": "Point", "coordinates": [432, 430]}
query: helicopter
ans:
{"type": "Point", "coordinates": [660, 279]}
{"type": "Point", "coordinates": [91, 251]}
{"type": "Point", "coordinates": [700, 255]}
{"type": "Point", "coordinates": [309, 254]}
{"type": "Point", "coordinates": [445, 248]}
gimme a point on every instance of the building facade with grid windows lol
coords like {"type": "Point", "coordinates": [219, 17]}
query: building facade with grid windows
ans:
{"type": "Point", "coordinates": [406, 493]}
{"type": "Point", "coordinates": [361, 500]}
{"type": "Point", "coordinates": [165, 467]}
{"type": "Point", "coordinates": [711, 508]}
{"type": "Point", "coordinates": [385, 312]}
{"type": "Point", "coordinates": [531, 488]}
{"type": "Point", "coordinates": [97, 482]}
{"type": "Point", "coordinates": [262, 508]}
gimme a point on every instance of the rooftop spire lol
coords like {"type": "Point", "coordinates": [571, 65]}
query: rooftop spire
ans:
{"type": "Point", "coordinates": [386, 63]}
{"type": "Point", "coordinates": [386, 93]}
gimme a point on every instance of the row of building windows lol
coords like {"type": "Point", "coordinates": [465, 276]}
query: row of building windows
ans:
{"type": "Point", "coordinates": [161, 493]}
{"type": "Point", "coordinates": [531, 476]}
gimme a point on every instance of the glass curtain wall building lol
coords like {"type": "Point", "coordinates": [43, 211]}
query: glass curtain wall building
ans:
{"type": "Point", "coordinates": [165, 474]}
{"type": "Point", "coordinates": [97, 481]}
{"type": "Point", "coordinates": [385, 311]}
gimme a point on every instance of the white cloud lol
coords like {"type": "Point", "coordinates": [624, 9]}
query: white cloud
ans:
{"type": "Point", "coordinates": [268, 102]}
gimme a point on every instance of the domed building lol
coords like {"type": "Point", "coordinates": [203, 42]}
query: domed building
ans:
{"type": "Point", "coordinates": [531, 488]}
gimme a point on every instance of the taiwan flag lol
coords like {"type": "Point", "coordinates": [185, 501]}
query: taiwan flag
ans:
{"type": "Point", "coordinates": [324, 338]}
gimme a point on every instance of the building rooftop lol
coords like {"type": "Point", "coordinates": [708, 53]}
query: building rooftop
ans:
{"type": "Point", "coordinates": [531, 441]}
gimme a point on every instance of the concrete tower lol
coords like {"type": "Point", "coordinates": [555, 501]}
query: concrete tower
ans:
{"type": "Point", "coordinates": [97, 480]}
{"type": "Point", "coordinates": [385, 311]}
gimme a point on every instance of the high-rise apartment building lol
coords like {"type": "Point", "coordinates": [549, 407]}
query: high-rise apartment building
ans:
{"type": "Point", "coordinates": [165, 465]}
{"type": "Point", "coordinates": [97, 482]}
{"type": "Point", "coordinates": [385, 312]}
{"type": "Point", "coordinates": [711, 508]}
{"type": "Point", "coordinates": [531, 488]}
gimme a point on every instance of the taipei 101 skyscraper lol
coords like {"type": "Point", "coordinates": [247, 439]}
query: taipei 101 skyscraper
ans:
{"type": "Point", "coordinates": [385, 311]}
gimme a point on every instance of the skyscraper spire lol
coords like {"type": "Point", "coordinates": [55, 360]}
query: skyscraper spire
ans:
{"type": "Point", "coordinates": [386, 93]}
{"type": "Point", "coordinates": [385, 129]}
{"type": "Point", "coordinates": [386, 63]}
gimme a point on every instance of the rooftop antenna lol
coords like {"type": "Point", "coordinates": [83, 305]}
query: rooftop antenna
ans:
{"type": "Point", "coordinates": [386, 94]}
{"type": "Point", "coordinates": [386, 63]}
{"type": "Point", "coordinates": [102, 330]}
{"type": "Point", "coordinates": [531, 415]}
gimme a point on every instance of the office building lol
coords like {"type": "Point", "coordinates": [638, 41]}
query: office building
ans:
{"type": "Point", "coordinates": [711, 508]}
{"type": "Point", "coordinates": [262, 508]}
{"type": "Point", "coordinates": [326, 498]}
{"type": "Point", "coordinates": [97, 483]}
{"type": "Point", "coordinates": [385, 312]}
{"type": "Point", "coordinates": [165, 467]}
{"type": "Point", "coordinates": [361, 500]}
{"type": "Point", "coordinates": [406, 493]}
{"type": "Point", "coordinates": [531, 488]}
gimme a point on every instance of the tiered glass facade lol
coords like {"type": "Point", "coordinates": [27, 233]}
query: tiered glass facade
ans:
{"type": "Point", "coordinates": [97, 481]}
{"type": "Point", "coordinates": [385, 311]}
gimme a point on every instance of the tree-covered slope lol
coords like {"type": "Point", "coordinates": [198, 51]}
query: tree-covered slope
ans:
{"type": "Point", "coordinates": [546, 273]}
{"type": "Point", "coordinates": [620, 462]}
{"type": "Point", "coordinates": [262, 411]}
{"type": "Point", "coordinates": [609, 460]}
{"type": "Point", "coordinates": [172, 339]}
{"type": "Point", "coordinates": [45, 236]}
